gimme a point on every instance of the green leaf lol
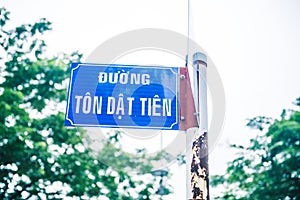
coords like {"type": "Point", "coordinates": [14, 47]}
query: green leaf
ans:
{"type": "Point", "coordinates": [269, 167]}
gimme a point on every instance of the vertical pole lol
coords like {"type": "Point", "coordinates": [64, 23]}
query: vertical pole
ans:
{"type": "Point", "coordinates": [198, 159]}
{"type": "Point", "coordinates": [188, 122]}
{"type": "Point", "coordinates": [200, 68]}
{"type": "Point", "coordinates": [199, 163]}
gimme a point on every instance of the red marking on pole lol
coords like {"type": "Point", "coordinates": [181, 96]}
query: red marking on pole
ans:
{"type": "Point", "coordinates": [188, 119]}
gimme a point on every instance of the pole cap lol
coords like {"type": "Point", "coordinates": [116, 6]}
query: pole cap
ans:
{"type": "Point", "coordinates": [198, 56]}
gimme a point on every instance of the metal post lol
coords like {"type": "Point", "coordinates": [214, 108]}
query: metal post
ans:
{"type": "Point", "coordinates": [199, 163]}
{"type": "Point", "coordinates": [197, 154]}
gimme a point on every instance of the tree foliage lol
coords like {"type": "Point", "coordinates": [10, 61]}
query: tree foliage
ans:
{"type": "Point", "coordinates": [39, 157]}
{"type": "Point", "coordinates": [270, 167]}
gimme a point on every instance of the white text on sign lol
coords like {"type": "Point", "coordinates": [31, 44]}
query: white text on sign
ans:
{"type": "Point", "coordinates": [124, 78]}
{"type": "Point", "coordinates": [123, 105]}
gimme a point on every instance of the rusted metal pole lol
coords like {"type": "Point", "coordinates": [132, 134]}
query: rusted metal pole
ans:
{"type": "Point", "coordinates": [199, 163]}
{"type": "Point", "coordinates": [197, 152]}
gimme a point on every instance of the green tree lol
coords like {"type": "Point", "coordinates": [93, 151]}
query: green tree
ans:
{"type": "Point", "coordinates": [39, 157]}
{"type": "Point", "coordinates": [270, 167]}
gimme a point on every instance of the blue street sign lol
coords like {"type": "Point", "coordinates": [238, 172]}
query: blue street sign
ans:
{"type": "Point", "coordinates": [126, 96]}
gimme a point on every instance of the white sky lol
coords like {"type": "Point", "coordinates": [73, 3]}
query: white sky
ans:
{"type": "Point", "coordinates": [254, 44]}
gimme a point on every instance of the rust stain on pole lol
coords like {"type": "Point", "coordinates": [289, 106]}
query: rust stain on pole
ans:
{"type": "Point", "coordinates": [199, 168]}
